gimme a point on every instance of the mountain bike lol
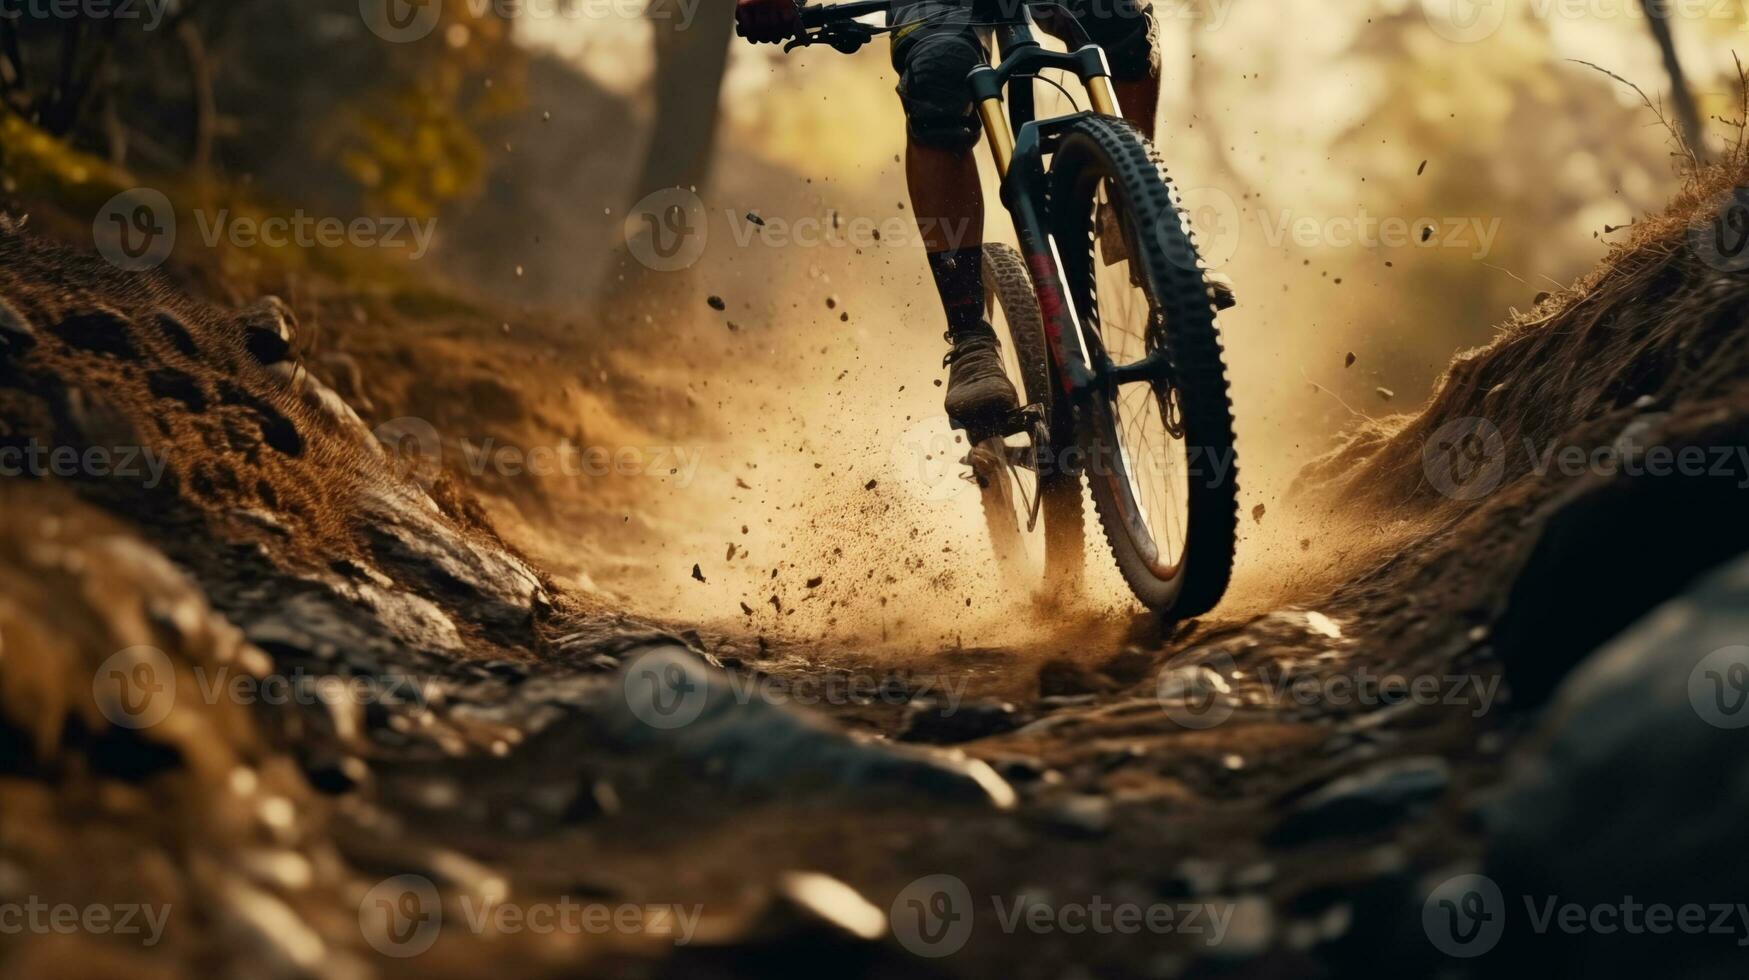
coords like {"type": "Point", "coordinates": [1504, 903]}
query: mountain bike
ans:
{"type": "Point", "coordinates": [1112, 337]}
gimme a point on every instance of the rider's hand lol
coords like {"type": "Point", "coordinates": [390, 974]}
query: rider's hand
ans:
{"type": "Point", "coordinates": [762, 21]}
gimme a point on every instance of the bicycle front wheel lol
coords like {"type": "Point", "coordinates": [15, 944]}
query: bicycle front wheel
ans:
{"type": "Point", "coordinates": [1160, 458]}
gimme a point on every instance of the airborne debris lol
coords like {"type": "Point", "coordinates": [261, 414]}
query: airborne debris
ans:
{"type": "Point", "coordinates": [1348, 362]}
{"type": "Point", "coordinates": [716, 303]}
{"type": "Point", "coordinates": [746, 609]}
{"type": "Point", "coordinates": [743, 485]}
{"type": "Point", "coordinates": [697, 572]}
{"type": "Point", "coordinates": [1385, 393]}
{"type": "Point", "coordinates": [814, 582]}
{"type": "Point", "coordinates": [1421, 169]}
{"type": "Point", "coordinates": [754, 217]}
{"type": "Point", "coordinates": [1257, 513]}
{"type": "Point", "coordinates": [870, 485]}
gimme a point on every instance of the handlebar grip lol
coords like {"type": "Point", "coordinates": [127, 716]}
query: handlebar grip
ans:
{"type": "Point", "coordinates": [819, 15]}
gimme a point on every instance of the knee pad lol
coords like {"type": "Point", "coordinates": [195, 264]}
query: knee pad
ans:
{"type": "Point", "coordinates": [1131, 39]}
{"type": "Point", "coordinates": [932, 67]}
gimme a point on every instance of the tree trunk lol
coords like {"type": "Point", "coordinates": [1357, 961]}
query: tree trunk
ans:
{"type": "Point", "coordinates": [1687, 115]}
{"type": "Point", "coordinates": [690, 59]}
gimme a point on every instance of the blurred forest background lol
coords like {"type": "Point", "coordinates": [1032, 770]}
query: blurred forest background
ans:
{"type": "Point", "coordinates": [529, 131]}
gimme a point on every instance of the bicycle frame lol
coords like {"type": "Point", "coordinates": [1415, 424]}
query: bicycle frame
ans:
{"type": "Point", "coordinates": [1019, 154]}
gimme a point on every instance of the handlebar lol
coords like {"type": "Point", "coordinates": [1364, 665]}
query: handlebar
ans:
{"type": "Point", "coordinates": [820, 15]}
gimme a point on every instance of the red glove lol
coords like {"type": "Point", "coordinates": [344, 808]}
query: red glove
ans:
{"type": "Point", "coordinates": [767, 21]}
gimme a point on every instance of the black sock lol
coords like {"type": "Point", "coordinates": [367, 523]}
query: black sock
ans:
{"type": "Point", "coordinates": [959, 278]}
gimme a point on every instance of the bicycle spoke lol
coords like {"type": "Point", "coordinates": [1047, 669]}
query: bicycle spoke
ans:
{"type": "Point", "coordinates": [1128, 331]}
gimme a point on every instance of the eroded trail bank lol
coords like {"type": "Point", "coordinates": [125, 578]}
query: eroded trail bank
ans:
{"type": "Point", "coordinates": [309, 702]}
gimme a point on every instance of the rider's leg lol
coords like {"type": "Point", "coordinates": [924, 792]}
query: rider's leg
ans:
{"type": "Point", "coordinates": [933, 60]}
{"type": "Point", "coordinates": [1139, 98]}
{"type": "Point", "coordinates": [1126, 31]}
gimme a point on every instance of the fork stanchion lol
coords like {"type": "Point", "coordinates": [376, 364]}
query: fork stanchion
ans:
{"type": "Point", "coordinates": [1001, 137]}
{"type": "Point", "coordinates": [1103, 95]}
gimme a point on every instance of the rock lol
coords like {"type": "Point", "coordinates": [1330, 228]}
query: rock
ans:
{"type": "Point", "coordinates": [270, 329]}
{"type": "Point", "coordinates": [944, 723]}
{"type": "Point", "coordinates": [328, 405]}
{"type": "Point", "coordinates": [1366, 801]}
{"type": "Point", "coordinates": [419, 548]}
{"type": "Point", "coordinates": [1250, 930]}
{"type": "Point", "coordinates": [1079, 816]}
{"type": "Point", "coordinates": [335, 774]}
{"type": "Point", "coordinates": [1192, 685]}
{"type": "Point", "coordinates": [1635, 783]}
{"type": "Point", "coordinates": [1129, 666]}
{"type": "Point", "coordinates": [1064, 678]}
{"type": "Point", "coordinates": [670, 701]}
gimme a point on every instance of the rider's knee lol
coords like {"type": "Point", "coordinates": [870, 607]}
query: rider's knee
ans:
{"type": "Point", "coordinates": [932, 86]}
{"type": "Point", "coordinates": [1131, 39]}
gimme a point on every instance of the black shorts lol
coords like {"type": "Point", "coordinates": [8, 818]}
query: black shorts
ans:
{"type": "Point", "coordinates": [936, 47]}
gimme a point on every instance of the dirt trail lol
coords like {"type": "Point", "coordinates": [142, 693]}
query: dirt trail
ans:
{"type": "Point", "coordinates": [1289, 773]}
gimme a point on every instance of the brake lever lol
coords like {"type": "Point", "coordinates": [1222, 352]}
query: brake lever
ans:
{"type": "Point", "coordinates": [847, 37]}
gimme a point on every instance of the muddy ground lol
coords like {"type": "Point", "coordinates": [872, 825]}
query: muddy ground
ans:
{"type": "Point", "coordinates": [1281, 788]}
